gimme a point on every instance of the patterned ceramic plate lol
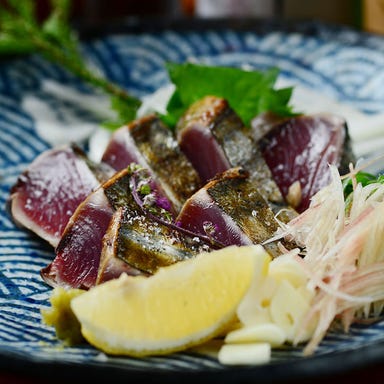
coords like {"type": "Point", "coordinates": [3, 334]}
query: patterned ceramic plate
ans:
{"type": "Point", "coordinates": [338, 63]}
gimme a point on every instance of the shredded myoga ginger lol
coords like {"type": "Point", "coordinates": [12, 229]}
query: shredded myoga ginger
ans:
{"type": "Point", "coordinates": [343, 254]}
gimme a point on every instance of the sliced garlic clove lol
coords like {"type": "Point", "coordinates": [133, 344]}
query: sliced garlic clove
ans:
{"type": "Point", "coordinates": [288, 308]}
{"type": "Point", "coordinates": [245, 354]}
{"type": "Point", "coordinates": [263, 333]}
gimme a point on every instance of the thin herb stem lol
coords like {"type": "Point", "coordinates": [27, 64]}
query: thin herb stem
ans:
{"type": "Point", "coordinates": [58, 44]}
{"type": "Point", "coordinates": [77, 68]}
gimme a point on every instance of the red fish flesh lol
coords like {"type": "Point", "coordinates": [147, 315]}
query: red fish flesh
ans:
{"type": "Point", "coordinates": [298, 151]}
{"type": "Point", "coordinates": [46, 195]}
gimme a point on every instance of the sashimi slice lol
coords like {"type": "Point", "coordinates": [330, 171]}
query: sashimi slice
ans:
{"type": "Point", "coordinates": [299, 150]}
{"type": "Point", "coordinates": [215, 139]}
{"type": "Point", "coordinates": [46, 195]}
{"type": "Point", "coordinates": [149, 143]}
{"type": "Point", "coordinates": [230, 210]}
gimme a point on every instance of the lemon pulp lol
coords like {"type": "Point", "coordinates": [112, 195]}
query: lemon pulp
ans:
{"type": "Point", "coordinates": [182, 305]}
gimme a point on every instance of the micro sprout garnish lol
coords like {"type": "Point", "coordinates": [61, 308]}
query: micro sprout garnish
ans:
{"type": "Point", "coordinates": [152, 210]}
{"type": "Point", "coordinates": [210, 228]}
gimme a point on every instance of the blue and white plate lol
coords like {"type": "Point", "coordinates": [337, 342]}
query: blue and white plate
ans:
{"type": "Point", "coordinates": [41, 105]}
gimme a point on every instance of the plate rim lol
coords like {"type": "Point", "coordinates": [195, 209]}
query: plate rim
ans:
{"type": "Point", "coordinates": [301, 369]}
{"type": "Point", "coordinates": [324, 366]}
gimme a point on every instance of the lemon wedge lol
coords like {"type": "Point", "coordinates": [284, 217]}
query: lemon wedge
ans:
{"type": "Point", "coordinates": [60, 315]}
{"type": "Point", "coordinates": [181, 306]}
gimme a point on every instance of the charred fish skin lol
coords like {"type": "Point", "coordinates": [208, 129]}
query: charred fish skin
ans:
{"type": "Point", "coordinates": [149, 143]}
{"type": "Point", "coordinates": [148, 245]}
{"type": "Point", "coordinates": [137, 239]}
{"type": "Point", "coordinates": [231, 210]}
{"type": "Point", "coordinates": [238, 198]}
{"type": "Point", "coordinates": [111, 267]}
{"type": "Point", "coordinates": [118, 190]}
{"type": "Point", "coordinates": [174, 171]}
{"type": "Point", "coordinates": [49, 191]}
{"type": "Point", "coordinates": [347, 156]}
{"type": "Point", "coordinates": [224, 142]}
{"type": "Point", "coordinates": [145, 241]}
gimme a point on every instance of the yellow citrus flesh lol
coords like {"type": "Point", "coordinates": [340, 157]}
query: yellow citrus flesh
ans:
{"type": "Point", "coordinates": [180, 306]}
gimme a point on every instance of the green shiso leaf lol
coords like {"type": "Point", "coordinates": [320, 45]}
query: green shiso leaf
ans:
{"type": "Point", "coordinates": [248, 92]}
{"type": "Point", "coordinates": [363, 178]}
{"type": "Point", "coordinates": [126, 111]}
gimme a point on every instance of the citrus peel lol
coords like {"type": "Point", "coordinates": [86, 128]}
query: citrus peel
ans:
{"type": "Point", "coordinates": [182, 305]}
